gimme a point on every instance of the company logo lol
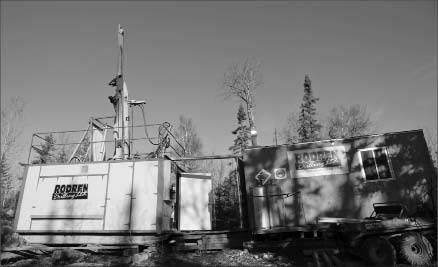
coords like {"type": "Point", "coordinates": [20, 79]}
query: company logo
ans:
{"type": "Point", "coordinates": [280, 173]}
{"type": "Point", "coordinates": [70, 191]}
{"type": "Point", "coordinates": [317, 159]}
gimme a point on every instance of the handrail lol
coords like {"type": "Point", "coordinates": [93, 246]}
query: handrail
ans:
{"type": "Point", "coordinates": [77, 131]}
{"type": "Point", "coordinates": [94, 142]}
{"type": "Point", "coordinates": [166, 139]}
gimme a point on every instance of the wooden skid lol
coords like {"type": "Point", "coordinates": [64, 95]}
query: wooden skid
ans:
{"type": "Point", "coordinates": [209, 241]}
{"type": "Point", "coordinates": [36, 250]}
{"type": "Point", "coordinates": [91, 239]}
{"type": "Point", "coordinates": [295, 232]}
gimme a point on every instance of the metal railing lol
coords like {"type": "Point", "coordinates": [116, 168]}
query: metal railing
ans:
{"type": "Point", "coordinates": [58, 147]}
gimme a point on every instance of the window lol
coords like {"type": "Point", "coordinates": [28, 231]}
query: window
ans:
{"type": "Point", "coordinates": [375, 164]}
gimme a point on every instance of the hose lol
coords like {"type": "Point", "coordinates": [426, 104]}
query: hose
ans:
{"type": "Point", "coordinates": [162, 144]}
{"type": "Point", "coordinates": [145, 127]}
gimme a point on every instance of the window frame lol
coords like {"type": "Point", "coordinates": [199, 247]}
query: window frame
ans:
{"type": "Point", "coordinates": [374, 155]}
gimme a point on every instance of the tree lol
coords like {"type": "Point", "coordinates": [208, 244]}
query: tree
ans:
{"type": "Point", "coordinates": [289, 134]}
{"type": "Point", "coordinates": [348, 121]}
{"type": "Point", "coordinates": [6, 181]}
{"type": "Point", "coordinates": [309, 128]}
{"type": "Point", "coordinates": [46, 154]}
{"type": "Point", "coordinates": [11, 128]}
{"type": "Point", "coordinates": [62, 156]}
{"type": "Point", "coordinates": [65, 151]}
{"type": "Point", "coordinates": [240, 81]}
{"type": "Point", "coordinates": [187, 136]}
{"type": "Point", "coordinates": [226, 200]}
{"type": "Point", "coordinates": [12, 116]}
{"type": "Point", "coordinates": [431, 140]}
{"type": "Point", "coordinates": [241, 132]}
{"type": "Point", "coordinates": [4, 169]}
{"type": "Point", "coordinates": [224, 195]}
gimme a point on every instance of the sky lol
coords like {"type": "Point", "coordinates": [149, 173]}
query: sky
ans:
{"type": "Point", "coordinates": [60, 56]}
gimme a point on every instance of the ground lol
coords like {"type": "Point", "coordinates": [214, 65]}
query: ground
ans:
{"type": "Point", "coordinates": [219, 258]}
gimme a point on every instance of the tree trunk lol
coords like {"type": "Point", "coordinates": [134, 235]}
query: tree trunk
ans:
{"type": "Point", "coordinates": [252, 128]}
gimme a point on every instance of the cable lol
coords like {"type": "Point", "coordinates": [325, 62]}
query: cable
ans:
{"type": "Point", "coordinates": [162, 143]}
{"type": "Point", "coordinates": [129, 148]}
{"type": "Point", "coordinates": [145, 127]}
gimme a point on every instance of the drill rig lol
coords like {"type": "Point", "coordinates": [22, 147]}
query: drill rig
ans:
{"type": "Point", "coordinates": [121, 106]}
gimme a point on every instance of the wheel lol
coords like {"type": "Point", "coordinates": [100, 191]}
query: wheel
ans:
{"type": "Point", "coordinates": [416, 249]}
{"type": "Point", "coordinates": [431, 237]}
{"type": "Point", "coordinates": [378, 251]}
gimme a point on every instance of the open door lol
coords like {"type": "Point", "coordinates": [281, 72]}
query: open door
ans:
{"type": "Point", "coordinates": [194, 190]}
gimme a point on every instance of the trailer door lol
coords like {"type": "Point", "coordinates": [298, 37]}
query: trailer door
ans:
{"type": "Point", "coordinates": [194, 190]}
{"type": "Point", "coordinates": [118, 197]}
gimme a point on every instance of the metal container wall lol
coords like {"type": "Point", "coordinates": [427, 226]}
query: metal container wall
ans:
{"type": "Point", "coordinates": [276, 206]}
{"type": "Point", "coordinates": [260, 206]}
{"type": "Point", "coordinates": [341, 189]}
{"type": "Point", "coordinates": [106, 196]}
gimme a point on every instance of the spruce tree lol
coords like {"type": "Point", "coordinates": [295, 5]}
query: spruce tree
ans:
{"type": "Point", "coordinates": [242, 133]}
{"type": "Point", "coordinates": [309, 127]}
{"type": "Point", "coordinates": [46, 153]}
{"type": "Point", "coordinates": [62, 156]}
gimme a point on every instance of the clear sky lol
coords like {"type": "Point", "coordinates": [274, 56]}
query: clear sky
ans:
{"type": "Point", "coordinates": [60, 56]}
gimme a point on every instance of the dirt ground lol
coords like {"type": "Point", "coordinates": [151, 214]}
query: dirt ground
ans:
{"type": "Point", "coordinates": [219, 258]}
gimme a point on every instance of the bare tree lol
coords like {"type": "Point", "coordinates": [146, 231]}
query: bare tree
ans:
{"type": "Point", "coordinates": [11, 128]}
{"type": "Point", "coordinates": [289, 134]}
{"type": "Point", "coordinates": [431, 140]}
{"type": "Point", "coordinates": [240, 81]}
{"type": "Point", "coordinates": [348, 121]}
{"type": "Point", "coordinates": [187, 136]}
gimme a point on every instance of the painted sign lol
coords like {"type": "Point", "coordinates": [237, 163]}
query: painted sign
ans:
{"type": "Point", "coordinates": [317, 161]}
{"type": "Point", "coordinates": [70, 191]}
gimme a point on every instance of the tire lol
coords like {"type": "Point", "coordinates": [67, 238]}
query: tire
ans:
{"type": "Point", "coordinates": [416, 249]}
{"type": "Point", "coordinates": [378, 251]}
{"type": "Point", "coordinates": [432, 238]}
